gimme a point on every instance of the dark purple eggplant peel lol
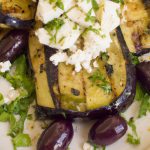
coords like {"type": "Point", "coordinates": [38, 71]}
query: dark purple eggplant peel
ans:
{"type": "Point", "coordinates": [13, 44]}
{"type": "Point", "coordinates": [15, 22]}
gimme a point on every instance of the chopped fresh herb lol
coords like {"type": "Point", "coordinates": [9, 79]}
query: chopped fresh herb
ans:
{"type": "Point", "coordinates": [29, 116]}
{"type": "Point", "coordinates": [144, 98]}
{"type": "Point", "coordinates": [90, 28]}
{"type": "Point", "coordinates": [100, 81]}
{"type": "Point", "coordinates": [134, 59]}
{"type": "Point", "coordinates": [104, 148]}
{"type": "Point", "coordinates": [119, 1]}
{"type": "Point", "coordinates": [89, 17]}
{"type": "Point", "coordinates": [60, 4]}
{"type": "Point", "coordinates": [75, 27]}
{"type": "Point", "coordinates": [132, 138]}
{"type": "Point", "coordinates": [104, 56]}
{"type": "Point", "coordinates": [19, 77]}
{"type": "Point", "coordinates": [22, 140]}
{"type": "Point", "coordinates": [54, 25]}
{"type": "Point", "coordinates": [1, 99]}
{"type": "Point", "coordinates": [95, 5]}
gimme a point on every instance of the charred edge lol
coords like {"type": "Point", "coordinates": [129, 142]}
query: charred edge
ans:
{"type": "Point", "coordinates": [127, 97]}
{"type": "Point", "coordinates": [15, 22]}
{"type": "Point", "coordinates": [52, 73]}
{"type": "Point", "coordinates": [142, 52]}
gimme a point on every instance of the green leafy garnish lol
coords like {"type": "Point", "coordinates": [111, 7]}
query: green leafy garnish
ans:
{"type": "Point", "coordinates": [132, 138]}
{"type": "Point", "coordinates": [134, 59]}
{"type": "Point", "coordinates": [54, 25]}
{"type": "Point", "coordinates": [104, 56]}
{"type": "Point", "coordinates": [1, 99]}
{"type": "Point", "coordinates": [90, 28]}
{"type": "Point", "coordinates": [22, 140]}
{"type": "Point", "coordinates": [20, 79]}
{"type": "Point", "coordinates": [144, 98]}
{"type": "Point", "coordinates": [58, 3]}
{"type": "Point", "coordinates": [89, 17]}
{"type": "Point", "coordinates": [95, 5]}
{"type": "Point", "coordinates": [100, 81]}
{"type": "Point", "coordinates": [119, 1]}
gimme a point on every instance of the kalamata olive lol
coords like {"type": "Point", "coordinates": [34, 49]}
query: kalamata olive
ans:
{"type": "Point", "coordinates": [57, 136]}
{"type": "Point", "coordinates": [13, 44]}
{"type": "Point", "coordinates": [143, 74]}
{"type": "Point", "coordinates": [107, 131]}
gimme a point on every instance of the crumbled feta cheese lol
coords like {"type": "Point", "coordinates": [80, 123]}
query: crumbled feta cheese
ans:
{"type": "Point", "coordinates": [110, 19]}
{"type": "Point", "coordinates": [8, 92]}
{"type": "Point", "coordinates": [5, 66]}
{"type": "Point", "coordinates": [65, 37]}
{"type": "Point", "coordinates": [78, 16]}
{"type": "Point", "coordinates": [58, 57]}
{"type": "Point", "coordinates": [47, 12]}
{"type": "Point", "coordinates": [95, 43]}
{"type": "Point", "coordinates": [87, 146]}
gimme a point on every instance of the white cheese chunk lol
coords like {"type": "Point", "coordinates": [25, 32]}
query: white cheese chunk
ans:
{"type": "Point", "coordinates": [8, 92]}
{"type": "Point", "coordinates": [110, 19]}
{"type": "Point", "coordinates": [96, 42]}
{"type": "Point", "coordinates": [66, 36]}
{"type": "Point", "coordinates": [78, 16]}
{"type": "Point", "coordinates": [58, 57]}
{"type": "Point", "coordinates": [47, 12]}
{"type": "Point", "coordinates": [5, 66]}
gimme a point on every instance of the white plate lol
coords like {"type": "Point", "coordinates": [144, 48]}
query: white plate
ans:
{"type": "Point", "coordinates": [81, 129]}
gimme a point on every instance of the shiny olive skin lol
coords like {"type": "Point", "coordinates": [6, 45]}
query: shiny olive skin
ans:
{"type": "Point", "coordinates": [107, 131]}
{"type": "Point", "coordinates": [57, 136]}
{"type": "Point", "coordinates": [13, 44]}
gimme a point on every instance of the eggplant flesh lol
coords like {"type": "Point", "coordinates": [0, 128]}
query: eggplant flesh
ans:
{"type": "Point", "coordinates": [137, 26]}
{"type": "Point", "coordinates": [17, 14]}
{"type": "Point", "coordinates": [47, 79]}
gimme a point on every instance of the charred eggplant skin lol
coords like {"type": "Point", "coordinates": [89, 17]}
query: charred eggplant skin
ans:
{"type": "Point", "coordinates": [57, 136]}
{"type": "Point", "coordinates": [142, 52]}
{"type": "Point", "coordinates": [120, 104]}
{"type": "Point", "coordinates": [16, 23]}
{"type": "Point", "coordinates": [143, 74]}
{"type": "Point", "coordinates": [13, 44]}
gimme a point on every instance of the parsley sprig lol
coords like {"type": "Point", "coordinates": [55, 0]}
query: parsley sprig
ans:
{"type": "Point", "coordinates": [144, 98]}
{"type": "Point", "coordinates": [100, 81]}
{"type": "Point", "coordinates": [53, 26]}
{"type": "Point", "coordinates": [133, 138]}
{"type": "Point", "coordinates": [20, 79]}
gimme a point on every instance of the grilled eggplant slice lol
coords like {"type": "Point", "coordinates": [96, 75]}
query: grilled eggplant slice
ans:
{"type": "Point", "coordinates": [17, 14]}
{"type": "Point", "coordinates": [136, 28]}
{"type": "Point", "coordinates": [61, 93]}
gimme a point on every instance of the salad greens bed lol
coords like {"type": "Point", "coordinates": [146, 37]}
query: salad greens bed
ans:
{"type": "Point", "coordinates": [17, 111]}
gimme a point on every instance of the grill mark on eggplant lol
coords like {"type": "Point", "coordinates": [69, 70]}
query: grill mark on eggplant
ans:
{"type": "Point", "coordinates": [52, 74]}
